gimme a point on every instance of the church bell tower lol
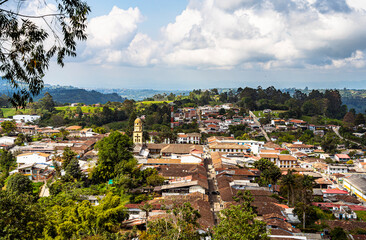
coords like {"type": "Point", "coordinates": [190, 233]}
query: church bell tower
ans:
{"type": "Point", "coordinates": [137, 132]}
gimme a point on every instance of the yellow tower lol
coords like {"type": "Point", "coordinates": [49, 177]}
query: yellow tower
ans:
{"type": "Point", "coordinates": [137, 131]}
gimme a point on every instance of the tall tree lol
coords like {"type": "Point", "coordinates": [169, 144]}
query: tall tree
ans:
{"type": "Point", "coordinates": [19, 184]}
{"type": "Point", "coordinates": [8, 126]}
{"type": "Point", "coordinates": [115, 156]}
{"type": "Point", "coordinates": [24, 54]}
{"type": "Point", "coordinates": [181, 224]}
{"type": "Point", "coordinates": [239, 221]}
{"type": "Point", "coordinates": [67, 156]}
{"type": "Point", "coordinates": [47, 102]}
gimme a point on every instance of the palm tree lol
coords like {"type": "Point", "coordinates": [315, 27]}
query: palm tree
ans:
{"type": "Point", "coordinates": [147, 209]}
{"type": "Point", "coordinates": [306, 188]}
{"type": "Point", "coordinates": [289, 181]}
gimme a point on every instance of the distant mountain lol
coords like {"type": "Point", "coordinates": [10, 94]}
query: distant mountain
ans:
{"type": "Point", "coordinates": [69, 94]}
{"type": "Point", "coordinates": [140, 94]}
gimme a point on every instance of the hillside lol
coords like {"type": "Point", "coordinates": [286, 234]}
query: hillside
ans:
{"type": "Point", "coordinates": [69, 94]}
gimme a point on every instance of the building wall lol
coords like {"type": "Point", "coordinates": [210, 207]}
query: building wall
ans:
{"type": "Point", "coordinates": [349, 186]}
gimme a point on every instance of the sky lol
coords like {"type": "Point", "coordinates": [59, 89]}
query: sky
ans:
{"type": "Point", "coordinates": [191, 44]}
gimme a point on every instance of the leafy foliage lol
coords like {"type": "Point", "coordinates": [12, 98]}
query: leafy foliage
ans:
{"type": "Point", "coordinates": [238, 221]}
{"type": "Point", "coordinates": [24, 56]}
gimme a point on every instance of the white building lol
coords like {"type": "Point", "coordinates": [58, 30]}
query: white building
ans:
{"type": "Point", "coordinates": [31, 158]}
{"type": "Point", "coordinates": [7, 140]}
{"type": "Point", "coordinates": [192, 138]}
{"type": "Point", "coordinates": [25, 118]}
{"type": "Point", "coordinates": [332, 169]}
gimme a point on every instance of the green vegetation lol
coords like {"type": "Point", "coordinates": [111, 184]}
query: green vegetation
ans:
{"type": "Point", "coordinates": [238, 221]}
{"type": "Point", "coordinates": [361, 215]}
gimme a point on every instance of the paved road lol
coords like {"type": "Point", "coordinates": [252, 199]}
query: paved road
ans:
{"type": "Point", "coordinates": [45, 191]}
{"type": "Point", "coordinates": [260, 125]}
{"type": "Point", "coordinates": [215, 200]}
{"type": "Point", "coordinates": [336, 130]}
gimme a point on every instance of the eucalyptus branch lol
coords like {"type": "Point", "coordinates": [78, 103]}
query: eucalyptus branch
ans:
{"type": "Point", "coordinates": [30, 16]}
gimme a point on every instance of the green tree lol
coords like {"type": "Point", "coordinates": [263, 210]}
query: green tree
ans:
{"type": "Point", "coordinates": [47, 102]}
{"type": "Point", "coordinates": [304, 207]}
{"type": "Point", "coordinates": [115, 157]}
{"type": "Point", "coordinates": [8, 126]}
{"type": "Point", "coordinates": [7, 161]}
{"type": "Point", "coordinates": [20, 217]}
{"type": "Point", "coordinates": [289, 180]}
{"type": "Point", "coordinates": [147, 209]}
{"type": "Point", "coordinates": [154, 180]}
{"type": "Point", "coordinates": [338, 234]}
{"type": "Point", "coordinates": [239, 221]}
{"type": "Point", "coordinates": [78, 220]}
{"type": "Point", "coordinates": [67, 156]}
{"type": "Point", "coordinates": [24, 54]}
{"type": "Point", "coordinates": [19, 184]}
{"type": "Point", "coordinates": [73, 169]}
{"type": "Point", "coordinates": [360, 119]}
{"type": "Point", "coordinates": [181, 224]}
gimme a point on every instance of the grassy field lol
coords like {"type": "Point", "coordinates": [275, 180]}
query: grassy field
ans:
{"type": "Point", "coordinates": [143, 104]}
{"type": "Point", "coordinates": [152, 102]}
{"type": "Point", "coordinates": [361, 215]}
{"type": "Point", "coordinates": [274, 113]}
{"type": "Point", "coordinates": [8, 112]}
{"type": "Point", "coordinates": [12, 111]}
{"type": "Point", "coordinates": [85, 109]}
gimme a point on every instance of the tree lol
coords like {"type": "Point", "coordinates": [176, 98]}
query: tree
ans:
{"type": "Point", "coordinates": [360, 119]}
{"type": "Point", "coordinates": [8, 126]}
{"type": "Point", "coordinates": [154, 180]}
{"type": "Point", "coordinates": [304, 208]}
{"type": "Point", "coordinates": [73, 169]}
{"type": "Point", "coordinates": [67, 156]}
{"type": "Point", "coordinates": [239, 221]}
{"type": "Point", "coordinates": [19, 184]}
{"type": "Point", "coordinates": [7, 160]}
{"type": "Point", "coordinates": [180, 224]}
{"type": "Point", "coordinates": [289, 181]}
{"type": "Point", "coordinates": [147, 209]}
{"type": "Point", "coordinates": [47, 102]}
{"type": "Point", "coordinates": [24, 54]}
{"type": "Point", "coordinates": [338, 234]}
{"type": "Point", "coordinates": [349, 119]}
{"type": "Point", "coordinates": [20, 217]}
{"type": "Point", "coordinates": [78, 220]}
{"type": "Point", "coordinates": [115, 157]}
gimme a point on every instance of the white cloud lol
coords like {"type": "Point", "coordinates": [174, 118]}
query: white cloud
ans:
{"type": "Point", "coordinates": [117, 28]}
{"type": "Point", "coordinates": [264, 33]}
{"type": "Point", "coordinates": [228, 34]}
{"type": "Point", "coordinates": [357, 60]}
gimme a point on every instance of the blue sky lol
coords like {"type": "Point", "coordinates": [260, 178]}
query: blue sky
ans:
{"type": "Point", "coordinates": [187, 44]}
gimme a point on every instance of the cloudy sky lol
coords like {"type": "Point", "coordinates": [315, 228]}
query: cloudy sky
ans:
{"type": "Point", "coordinates": [186, 44]}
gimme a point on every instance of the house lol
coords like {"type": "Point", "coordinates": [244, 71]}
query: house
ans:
{"type": "Point", "coordinates": [183, 187]}
{"type": "Point", "coordinates": [7, 141]}
{"type": "Point", "coordinates": [228, 147]}
{"type": "Point", "coordinates": [342, 157]}
{"type": "Point", "coordinates": [31, 158]}
{"type": "Point", "coordinates": [344, 212]}
{"type": "Point", "coordinates": [36, 172]}
{"type": "Point", "coordinates": [191, 138]}
{"type": "Point", "coordinates": [332, 192]}
{"type": "Point", "coordinates": [280, 160]}
{"type": "Point", "coordinates": [25, 118]}
{"type": "Point", "coordinates": [332, 169]}
{"type": "Point", "coordinates": [172, 150]}
{"type": "Point", "coordinates": [300, 147]}
{"type": "Point", "coordinates": [286, 161]}
{"type": "Point", "coordinates": [356, 184]}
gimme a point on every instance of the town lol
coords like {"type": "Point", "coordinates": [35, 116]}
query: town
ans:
{"type": "Point", "coordinates": [303, 178]}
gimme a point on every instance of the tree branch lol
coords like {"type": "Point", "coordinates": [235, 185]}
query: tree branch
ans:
{"type": "Point", "coordinates": [29, 16]}
{"type": "Point", "coordinates": [4, 1]}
